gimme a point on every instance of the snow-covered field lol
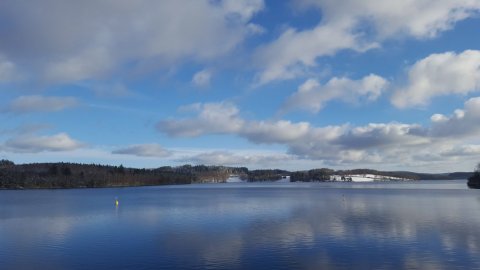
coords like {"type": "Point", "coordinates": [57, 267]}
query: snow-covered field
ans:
{"type": "Point", "coordinates": [353, 177]}
{"type": "Point", "coordinates": [367, 178]}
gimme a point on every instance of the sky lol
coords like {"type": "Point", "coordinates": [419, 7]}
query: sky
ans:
{"type": "Point", "coordinates": [294, 84]}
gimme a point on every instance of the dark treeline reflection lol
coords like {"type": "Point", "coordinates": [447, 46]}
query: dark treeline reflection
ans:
{"type": "Point", "coordinates": [248, 227]}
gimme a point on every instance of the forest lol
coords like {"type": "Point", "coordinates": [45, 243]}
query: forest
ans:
{"type": "Point", "coordinates": [73, 175]}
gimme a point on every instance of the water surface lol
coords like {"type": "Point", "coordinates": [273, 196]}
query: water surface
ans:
{"type": "Point", "coordinates": [414, 225]}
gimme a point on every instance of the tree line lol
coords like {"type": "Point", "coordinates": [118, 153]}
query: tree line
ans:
{"type": "Point", "coordinates": [73, 175]}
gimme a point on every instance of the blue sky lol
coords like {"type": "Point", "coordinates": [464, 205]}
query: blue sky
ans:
{"type": "Point", "coordinates": [296, 84]}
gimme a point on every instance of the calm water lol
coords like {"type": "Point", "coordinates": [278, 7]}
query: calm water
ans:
{"type": "Point", "coordinates": [422, 225]}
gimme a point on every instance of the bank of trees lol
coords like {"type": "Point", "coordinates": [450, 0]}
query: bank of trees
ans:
{"type": "Point", "coordinates": [72, 175]}
{"type": "Point", "coordinates": [314, 175]}
{"type": "Point", "coordinates": [474, 180]}
{"type": "Point", "coordinates": [264, 175]}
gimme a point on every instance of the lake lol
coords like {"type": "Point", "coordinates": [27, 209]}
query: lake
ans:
{"type": "Point", "coordinates": [385, 225]}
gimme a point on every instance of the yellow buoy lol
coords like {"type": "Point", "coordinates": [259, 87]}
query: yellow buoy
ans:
{"type": "Point", "coordinates": [116, 202]}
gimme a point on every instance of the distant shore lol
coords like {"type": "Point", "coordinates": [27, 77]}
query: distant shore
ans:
{"type": "Point", "coordinates": [62, 175]}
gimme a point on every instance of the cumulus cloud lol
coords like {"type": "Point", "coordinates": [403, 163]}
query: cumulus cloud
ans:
{"type": "Point", "coordinates": [378, 135]}
{"type": "Point", "coordinates": [88, 64]}
{"type": "Point", "coordinates": [394, 143]}
{"type": "Point", "coordinates": [231, 159]}
{"type": "Point", "coordinates": [287, 56]}
{"type": "Point", "coordinates": [224, 118]}
{"type": "Point", "coordinates": [462, 123]}
{"type": "Point", "coordinates": [301, 138]}
{"type": "Point", "coordinates": [202, 78]}
{"type": "Point", "coordinates": [417, 18]}
{"type": "Point", "coordinates": [372, 143]}
{"type": "Point", "coordinates": [36, 103]}
{"type": "Point", "coordinates": [144, 150]}
{"type": "Point", "coordinates": [274, 131]}
{"type": "Point", "coordinates": [212, 118]}
{"type": "Point", "coordinates": [72, 40]}
{"type": "Point", "coordinates": [243, 10]}
{"type": "Point", "coordinates": [34, 144]}
{"type": "Point", "coordinates": [311, 95]}
{"type": "Point", "coordinates": [440, 75]}
{"type": "Point", "coordinates": [342, 26]}
{"type": "Point", "coordinates": [463, 150]}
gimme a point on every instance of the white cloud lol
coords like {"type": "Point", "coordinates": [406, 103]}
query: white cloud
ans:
{"type": "Point", "coordinates": [311, 95]}
{"type": "Point", "coordinates": [227, 158]}
{"type": "Point", "coordinates": [224, 118]}
{"type": "Point", "coordinates": [301, 138]}
{"type": "Point", "coordinates": [463, 123]}
{"type": "Point", "coordinates": [463, 150]}
{"type": "Point", "coordinates": [293, 51]}
{"type": "Point", "coordinates": [370, 144]}
{"type": "Point", "coordinates": [36, 103]}
{"type": "Point", "coordinates": [274, 131]}
{"type": "Point", "coordinates": [91, 63]}
{"type": "Point", "coordinates": [390, 144]}
{"type": "Point", "coordinates": [72, 40]}
{"type": "Point", "coordinates": [438, 118]}
{"type": "Point", "coordinates": [378, 135]}
{"type": "Point", "coordinates": [417, 18]}
{"type": "Point", "coordinates": [34, 144]}
{"type": "Point", "coordinates": [144, 150]}
{"type": "Point", "coordinates": [256, 29]}
{"type": "Point", "coordinates": [212, 118]}
{"type": "Point", "coordinates": [244, 10]}
{"type": "Point", "coordinates": [359, 26]}
{"type": "Point", "coordinates": [440, 75]}
{"type": "Point", "coordinates": [202, 78]}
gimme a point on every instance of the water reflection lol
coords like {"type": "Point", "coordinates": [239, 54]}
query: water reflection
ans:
{"type": "Point", "coordinates": [243, 227]}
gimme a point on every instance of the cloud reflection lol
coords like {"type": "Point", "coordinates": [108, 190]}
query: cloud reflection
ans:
{"type": "Point", "coordinates": [430, 225]}
{"type": "Point", "coordinates": [259, 227]}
